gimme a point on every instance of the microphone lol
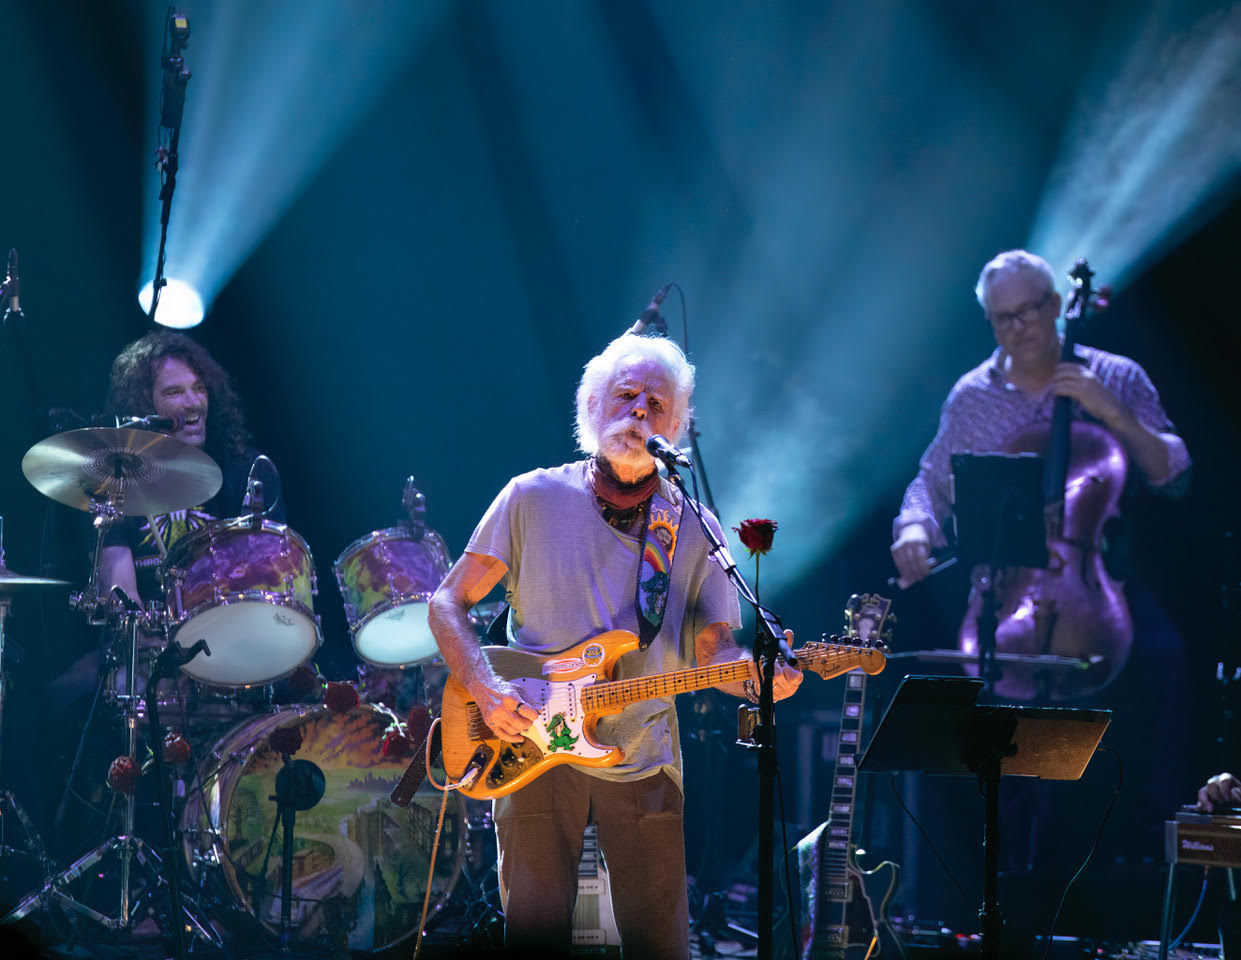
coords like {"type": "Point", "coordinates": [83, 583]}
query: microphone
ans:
{"type": "Point", "coordinates": [154, 422]}
{"type": "Point", "coordinates": [650, 316]}
{"type": "Point", "coordinates": [13, 286]}
{"type": "Point", "coordinates": [662, 448]}
{"type": "Point", "coordinates": [257, 499]}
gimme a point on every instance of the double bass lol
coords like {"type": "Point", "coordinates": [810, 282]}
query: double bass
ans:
{"type": "Point", "coordinates": [1072, 608]}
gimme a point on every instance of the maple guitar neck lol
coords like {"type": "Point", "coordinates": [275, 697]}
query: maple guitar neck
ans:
{"type": "Point", "coordinates": [827, 660]}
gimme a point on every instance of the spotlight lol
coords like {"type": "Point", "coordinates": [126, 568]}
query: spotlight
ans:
{"type": "Point", "coordinates": [180, 305]}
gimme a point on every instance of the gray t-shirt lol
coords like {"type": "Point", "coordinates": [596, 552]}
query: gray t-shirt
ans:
{"type": "Point", "coordinates": [571, 576]}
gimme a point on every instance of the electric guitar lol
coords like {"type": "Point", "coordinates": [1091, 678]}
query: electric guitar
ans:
{"type": "Point", "coordinates": [594, 924]}
{"type": "Point", "coordinates": [572, 690]}
{"type": "Point", "coordinates": [843, 922]}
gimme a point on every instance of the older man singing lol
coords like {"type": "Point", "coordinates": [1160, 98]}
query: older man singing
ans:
{"type": "Point", "coordinates": [568, 543]}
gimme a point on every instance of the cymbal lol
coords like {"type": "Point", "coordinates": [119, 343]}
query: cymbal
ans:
{"type": "Point", "coordinates": [16, 581]}
{"type": "Point", "coordinates": [154, 473]}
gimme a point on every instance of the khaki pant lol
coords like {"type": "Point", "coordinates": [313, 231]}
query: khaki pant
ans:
{"type": "Point", "coordinates": [641, 837]}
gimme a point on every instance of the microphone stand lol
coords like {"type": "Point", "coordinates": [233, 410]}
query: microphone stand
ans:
{"type": "Point", "coordinates": [651, 317]}
{"type": "Point", "coordinates": [769, 643]}
{"type": "Point", "coordinates": [172, 107]}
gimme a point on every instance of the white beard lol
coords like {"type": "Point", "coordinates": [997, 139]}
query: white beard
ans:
{"type": "Point", "coordinates": [621, 449]}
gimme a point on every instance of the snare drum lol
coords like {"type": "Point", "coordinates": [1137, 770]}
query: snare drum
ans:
{"type": "Point", "coordinates": [386, 579]}
{"type": "Point", "coordinates": [248, 591]}
{"type": "Point", "coordinates": [359, 862]}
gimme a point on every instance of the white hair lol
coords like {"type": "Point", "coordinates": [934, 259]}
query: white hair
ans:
{"type": "Point", "coordinates": [625, 350]}
{"type": "Point", "coordinates": [1011, 261]}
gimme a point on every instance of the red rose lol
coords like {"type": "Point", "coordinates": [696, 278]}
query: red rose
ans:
{"type": "Point", "coordinates": [396, 744]}
{"type": "Point", "coordinates": [302, 681]}
{"type": "Point", "coordinates": [341, 698]}
{"type": "Point", "coordinates": [757, 535]}
{"type": "Point", "coordinates": [123, 775]}
{"type": "Point", "coordinates": [176, 749]}
{"type": "Point", "coordinates": [285, 739]}
{"type": "Point", "coordinates": [417, 724]}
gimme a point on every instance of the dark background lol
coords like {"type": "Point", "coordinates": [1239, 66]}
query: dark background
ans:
{"type": "Point", "coordinates": [824, 183]}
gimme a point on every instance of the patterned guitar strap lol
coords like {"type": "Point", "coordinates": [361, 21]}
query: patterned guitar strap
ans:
{"type": "Point", "coordinates": [656, 548]}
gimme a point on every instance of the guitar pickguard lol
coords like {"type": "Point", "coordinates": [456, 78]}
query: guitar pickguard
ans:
{"type": "Point", "coordinates": [559, 727]}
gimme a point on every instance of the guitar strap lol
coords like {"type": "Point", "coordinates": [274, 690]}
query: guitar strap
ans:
{"type": "Point", "coordinates": [656, 549]}
{"type": "Point", "coordinates": [416, 772]}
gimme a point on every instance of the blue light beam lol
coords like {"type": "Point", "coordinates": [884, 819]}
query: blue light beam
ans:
{"type": "Point", "coordinates": [1150, 143]}
{"type": "Point", "coordinates": [275, 89]}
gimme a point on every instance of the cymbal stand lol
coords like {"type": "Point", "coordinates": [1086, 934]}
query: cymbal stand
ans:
{"type": "Point", "coordinates": [11, 810]}
{"type": "Point", "coordinates": [105, 511]}
{"type": "Point", "coordinates": [125, 616]}
{"type": "Point", "coordinates": [127, 846]}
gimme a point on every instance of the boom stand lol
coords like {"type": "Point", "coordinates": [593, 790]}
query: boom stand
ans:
{"type": "Point", "coordinates": [167, 664]}
{"type": "Point", "coordinates": [998, 510]}
{"type": "Point", "coordinates": [769, 643]}
{"type": "Point", "coordinates": [299, 786]}
{"type": "Point", "coordinates": [933, 726]}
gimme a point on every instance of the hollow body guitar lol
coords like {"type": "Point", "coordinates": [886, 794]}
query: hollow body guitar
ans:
{"type": "Point", "coordinates": [572, 690]}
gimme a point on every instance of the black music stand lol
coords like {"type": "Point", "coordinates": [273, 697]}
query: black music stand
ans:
{"type": "Point", "coordinates": [997, 503]}
{"type": "Point", "coordinates": [934, 726]}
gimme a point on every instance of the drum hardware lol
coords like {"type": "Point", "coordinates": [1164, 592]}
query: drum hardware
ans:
{"type": "Point", "coordinates": [168, 664]}
{"type": "Point", "coordinates": [11, 810]}
{"type": "Point", "coordinates": [128, 848]}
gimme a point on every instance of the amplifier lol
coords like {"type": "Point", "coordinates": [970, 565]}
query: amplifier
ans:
{"type": "Point", "coordinates": [1204, 839]}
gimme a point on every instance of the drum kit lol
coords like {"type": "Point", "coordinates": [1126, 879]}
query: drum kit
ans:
{"type": "Point", "coordinates": [237, 616]}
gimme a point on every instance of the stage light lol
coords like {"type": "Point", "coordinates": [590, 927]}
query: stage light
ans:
{"type": "Point", "coordinates": [180, 306]}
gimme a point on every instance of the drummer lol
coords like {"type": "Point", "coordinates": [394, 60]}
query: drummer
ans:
{"type": "Point", "coordinates": [171, 375]}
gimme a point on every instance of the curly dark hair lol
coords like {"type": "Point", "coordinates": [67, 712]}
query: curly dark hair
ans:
{"type": "Point", "coordinates": [132, 386]}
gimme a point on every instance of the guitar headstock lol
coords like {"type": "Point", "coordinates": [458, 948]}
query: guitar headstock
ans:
{"type": "Point", "coordinates": [868, 616]}
{"type": "Point", "coordinates": [839, 655]}
{"type": "Point", "coordinates": [863, 645]}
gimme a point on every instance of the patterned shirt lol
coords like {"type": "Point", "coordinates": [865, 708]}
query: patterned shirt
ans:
{"type": "Point", "coordinates": [984, 408]}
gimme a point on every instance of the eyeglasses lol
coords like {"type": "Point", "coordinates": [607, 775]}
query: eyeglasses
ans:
{"type": "Point", "coordinates": [1026, 313]}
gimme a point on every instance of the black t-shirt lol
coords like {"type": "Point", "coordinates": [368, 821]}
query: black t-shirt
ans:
{"type": "Point", "coordinates": [135, 532]}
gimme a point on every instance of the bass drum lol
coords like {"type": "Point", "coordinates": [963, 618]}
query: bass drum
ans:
{"type": "Point", "coordinates": [359, 862]}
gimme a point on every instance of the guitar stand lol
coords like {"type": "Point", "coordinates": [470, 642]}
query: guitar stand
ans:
{"type": "Point", "coordinates": [933, 725]}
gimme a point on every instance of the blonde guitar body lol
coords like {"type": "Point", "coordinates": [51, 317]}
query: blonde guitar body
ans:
{"type": "Point", "coordinates": [571, 691]}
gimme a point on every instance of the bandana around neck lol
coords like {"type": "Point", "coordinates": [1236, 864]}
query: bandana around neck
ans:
{"type": "Point", "coordinates": [612, 491]}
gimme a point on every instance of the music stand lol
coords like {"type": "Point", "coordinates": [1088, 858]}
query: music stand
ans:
{"type": "Point", "coordinates": [934, 726]}
{"type": "Point", "coordinates": [997, 503]}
